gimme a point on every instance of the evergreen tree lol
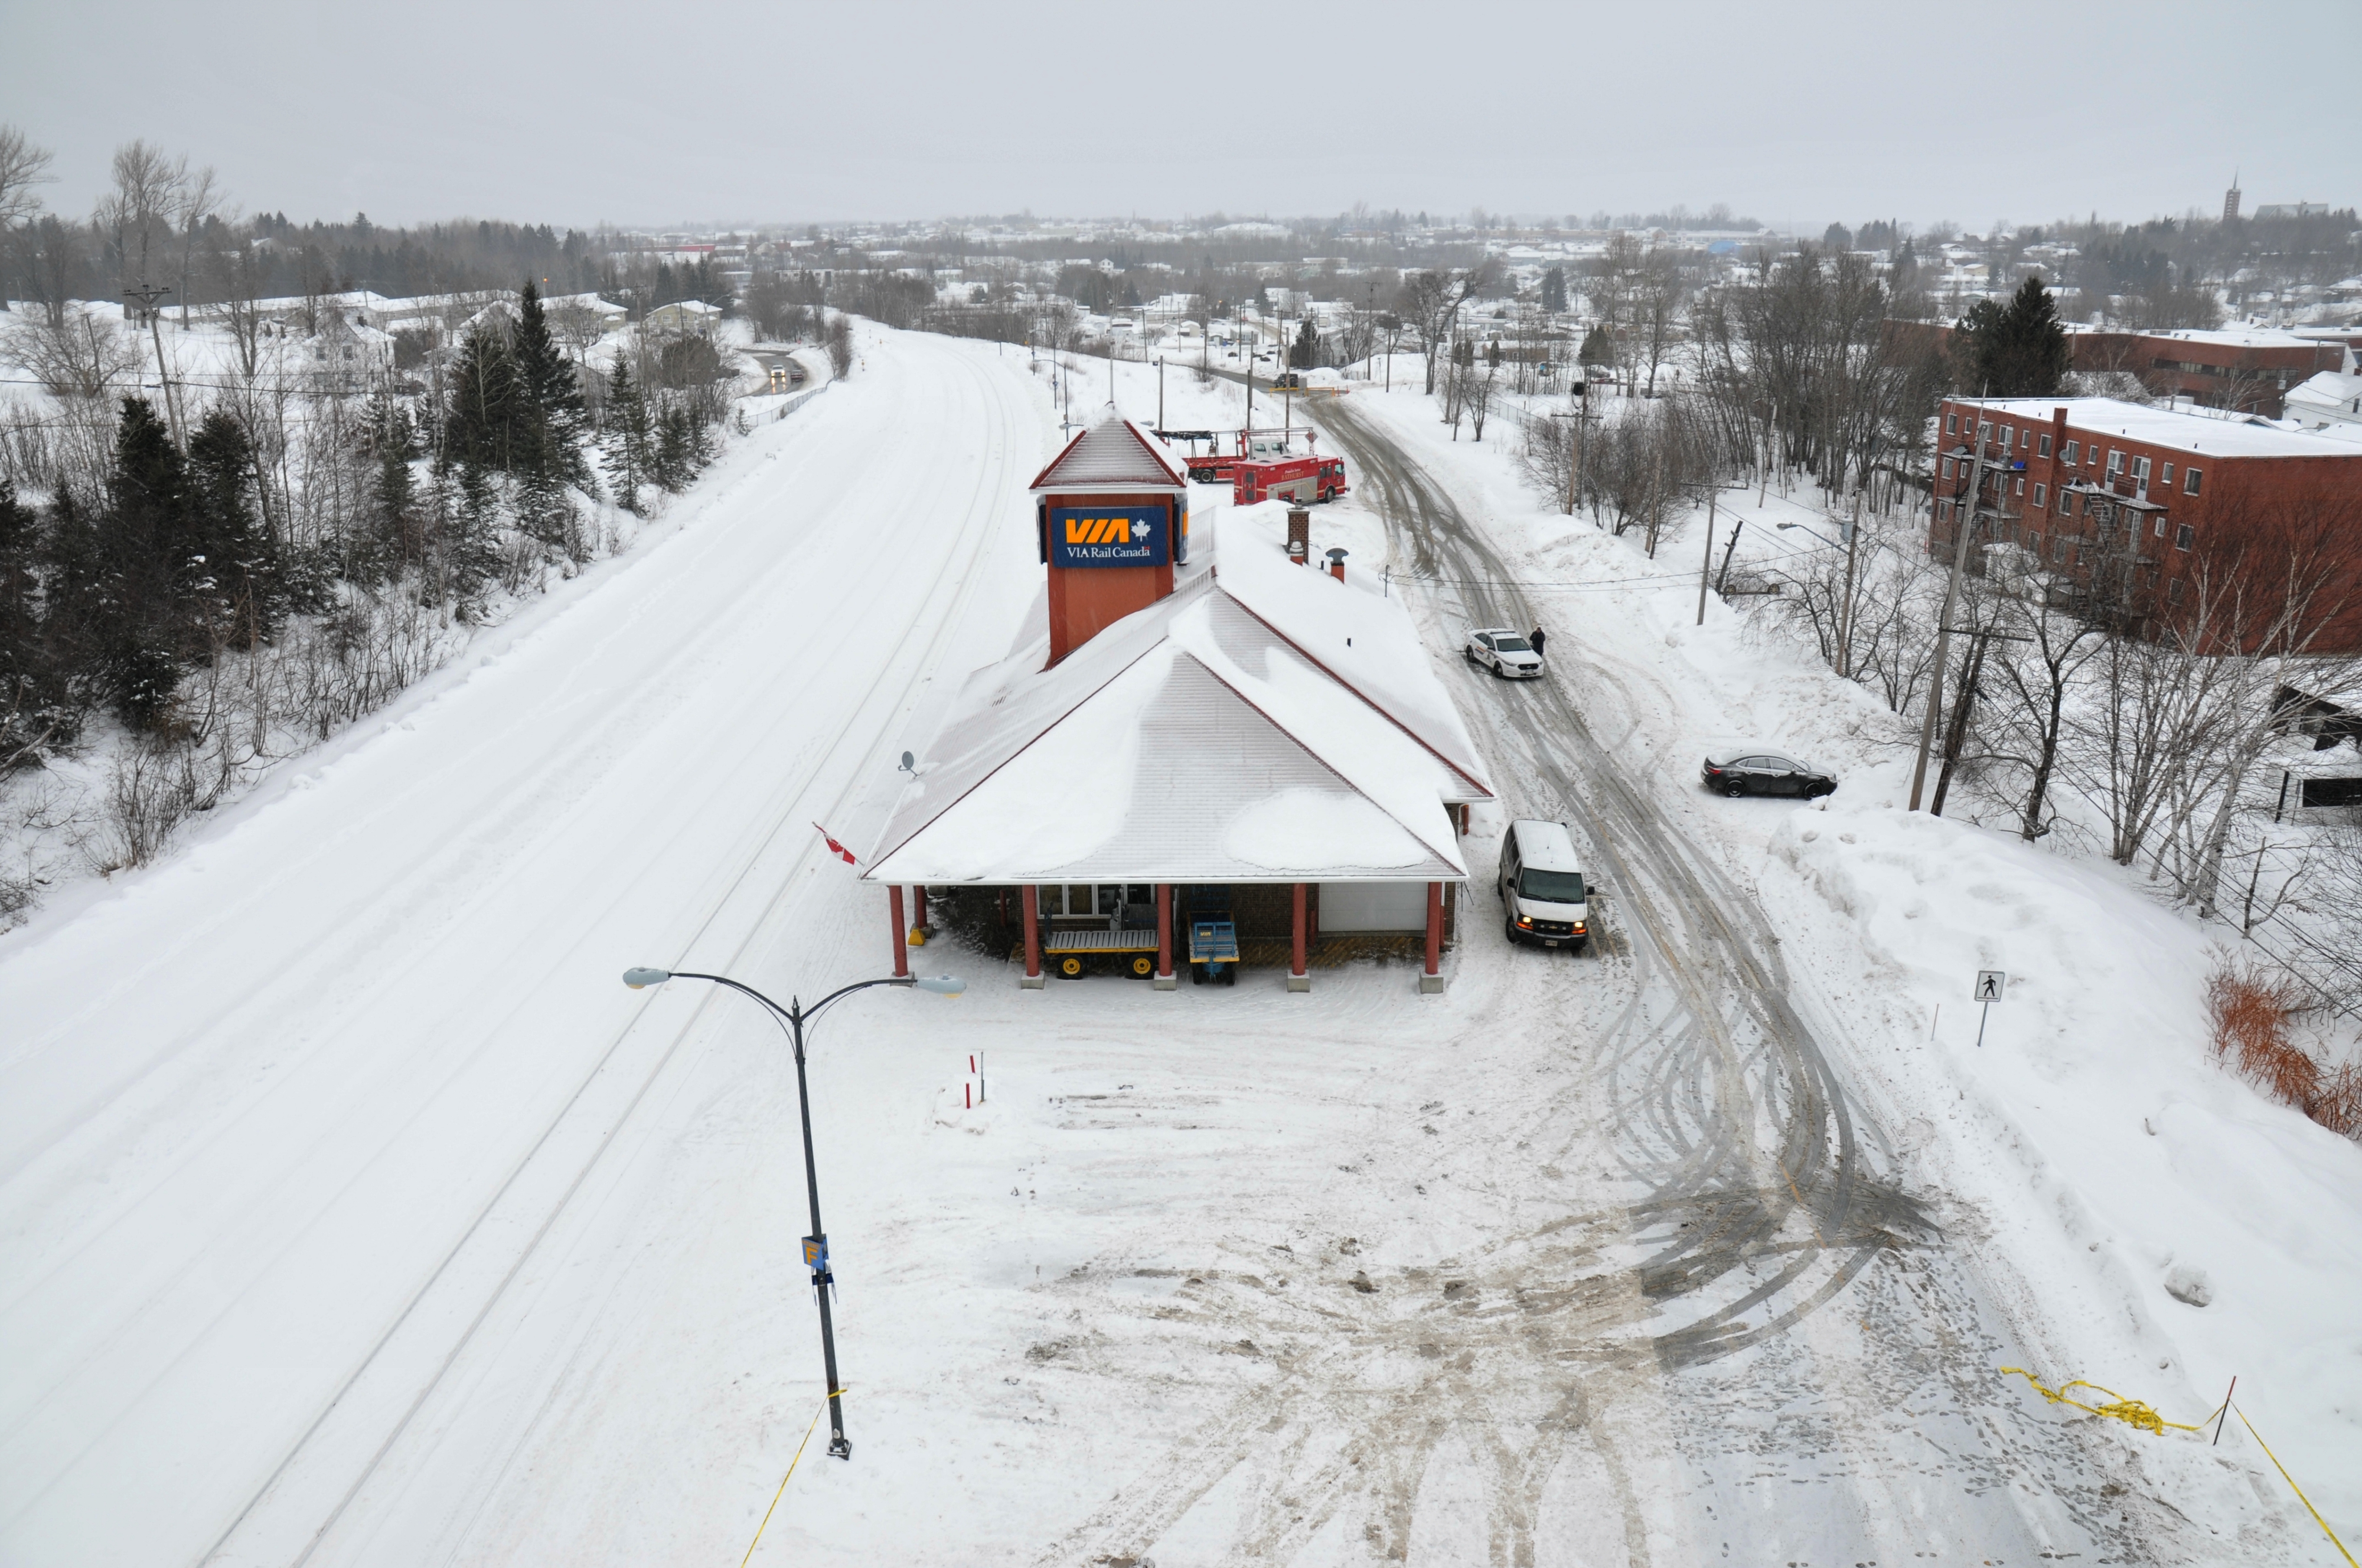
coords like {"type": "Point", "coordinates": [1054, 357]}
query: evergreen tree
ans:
{"type": "Point", "coordinates": [1554, 289]}
{"type": "Point", "coordinates": [1307, 348]}
{"type": "Point", "coordinates": [2018, 349]}
{"type": "Point", "coordinates": [33, 713]}
{"type": "Point", "coordinates": [552, 393]}
{"type": "Point", "coordinates": [488, 400]}
{"type": "Point", "coordinates": [151, 569]}
{"type": "Point", "coordinates": [244, 596]}
{"type": "Point", "coordinates": [398, 541]}
{"type": "Point", "coordinates": [676, 450]}
{"type": "Point", "coordinates": [628, 435]}
{"type": "Point", "coordinates": [1598, 347]}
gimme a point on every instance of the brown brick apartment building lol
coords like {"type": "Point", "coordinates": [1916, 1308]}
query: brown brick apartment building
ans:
{"type": "Point", "coordinates": [2082, 487]}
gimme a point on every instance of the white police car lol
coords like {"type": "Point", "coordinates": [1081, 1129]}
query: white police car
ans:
{"type": "Point", "coordinates": [1503, 651]}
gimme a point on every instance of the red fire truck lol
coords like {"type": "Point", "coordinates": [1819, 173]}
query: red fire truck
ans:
{"type": "Point", "coordinates": [1299, 478]}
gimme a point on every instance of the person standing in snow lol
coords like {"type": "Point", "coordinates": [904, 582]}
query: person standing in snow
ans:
{"type": "Point", "coordinates": [1535, 637]}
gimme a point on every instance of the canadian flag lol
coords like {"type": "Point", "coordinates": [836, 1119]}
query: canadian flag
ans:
{"type": "Point", "coordinates": [843, 853]}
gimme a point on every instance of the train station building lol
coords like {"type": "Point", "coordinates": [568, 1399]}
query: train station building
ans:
{"type": "Point", "coordinates": [1205, 730]}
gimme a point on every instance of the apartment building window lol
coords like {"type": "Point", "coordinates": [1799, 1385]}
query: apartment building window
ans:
{"type": "Point", "coordinates": [2008, 436]}
{"type": "Point", "coordinates": [2184, 536]}
{"type": "Point", "coordinates": [1948, 467]}
{"type": "Point", "coordinates": [2066, 501]}
{"type": "Point", "coordinates": [2041, 495]}
{"type": "Point", "coordinates": [2173, 590]}
{"type": "Point", "coordinates": [1951, 425]}
{"type": "Point", "coordinates": [2073, 447]}
{"type": "Point", "coordinates": [2020, 489]}
{"type": "Point", "coordinates": [2045, 446]}
{"type": "Point", "coordinates": [2140, 472]}
{"type": "Point", "coordinates": [2160, 525]}
{"type": "Point", "coordinates": [2190, 480]}
{"type": "Point", "coordinates": [1984, 431]}
{"type": "Point", "coordinates": [2165, 476]}
{"type": "Point", "coordinates": [2115, 462]}
{"type": "Point", "coordinates": [2034, 545]}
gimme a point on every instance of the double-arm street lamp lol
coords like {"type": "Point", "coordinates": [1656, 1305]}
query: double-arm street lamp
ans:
{"type": "Point", "coordinates": [793, 1019]}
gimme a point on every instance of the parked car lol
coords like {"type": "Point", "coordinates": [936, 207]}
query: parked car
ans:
{"type": "Point", "coordinates": [1759, 770]}
{"type": "Point", "coordinates": [1542, 896]}
{"type": "Point", "coordinates": [1504, 652]}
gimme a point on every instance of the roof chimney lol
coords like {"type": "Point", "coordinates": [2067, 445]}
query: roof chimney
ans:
{"type": "Point", "coordinates": [1111, 516]}
{"type": "Point", "coordinates": [1299, 535]}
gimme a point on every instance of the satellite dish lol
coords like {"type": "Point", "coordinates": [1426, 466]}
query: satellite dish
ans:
{"type": "Point", "coordinates": [907, 768]}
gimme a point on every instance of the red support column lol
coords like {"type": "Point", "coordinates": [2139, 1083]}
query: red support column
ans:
{"type": "Point", "coordinates": [1297, 980]}
{"type": "Point", "coordinates": [1432, 980]}
{"type": "Point", "coordinates": [919, 914]}
{"type": "Point", "coordinates": [1163, 937]}
{"type": "Point", "coordinates": [1031, 899]}
{"type": "Point", "coordinates": [902, 934]}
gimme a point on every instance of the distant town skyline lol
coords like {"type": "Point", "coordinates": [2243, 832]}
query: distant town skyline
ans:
{"type": "Point", "coordinates": [751, 114]}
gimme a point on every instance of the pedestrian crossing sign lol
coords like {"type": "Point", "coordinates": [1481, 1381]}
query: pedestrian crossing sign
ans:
{"type": "Point", "coordinates": [1991, 984]}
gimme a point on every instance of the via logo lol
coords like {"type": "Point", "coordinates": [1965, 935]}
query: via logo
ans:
{"type": "Point", "coordinates": [1105, 530]}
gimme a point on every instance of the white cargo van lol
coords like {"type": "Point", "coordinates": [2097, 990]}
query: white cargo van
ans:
{"type": "Point", "coordinates": [1541, 885]}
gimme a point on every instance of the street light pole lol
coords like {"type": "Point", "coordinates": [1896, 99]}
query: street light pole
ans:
{"type": "Point", "coordinates": [793, 1019]}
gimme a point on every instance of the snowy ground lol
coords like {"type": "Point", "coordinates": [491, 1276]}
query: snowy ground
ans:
{"type": "Point", "coordinates": [356, 1213]}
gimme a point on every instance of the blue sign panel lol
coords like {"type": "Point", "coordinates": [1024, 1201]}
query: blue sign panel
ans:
{"type": "Point", "coordinates": [1109, 536]}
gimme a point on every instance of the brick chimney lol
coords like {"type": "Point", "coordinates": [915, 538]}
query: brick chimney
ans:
{"type": "Point", "coordinates": [1299, 535]}
{"type": "Point", "coordinates": [1112, 519]}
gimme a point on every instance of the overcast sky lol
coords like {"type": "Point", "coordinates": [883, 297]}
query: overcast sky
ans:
{"type": "Point", "coordinates": [737, 112]}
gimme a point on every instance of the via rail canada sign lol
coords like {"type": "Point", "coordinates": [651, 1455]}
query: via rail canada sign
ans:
{"type": "Point", "coordinates": [1109, 536]}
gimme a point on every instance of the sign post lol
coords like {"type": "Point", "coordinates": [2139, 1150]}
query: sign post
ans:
{"type": "Point", "coordinates": [1991, 984]}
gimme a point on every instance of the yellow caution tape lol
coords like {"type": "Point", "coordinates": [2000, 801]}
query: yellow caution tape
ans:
{"type": "Point", "coordinates": [2294, 1487]}
{"type": "Point", "coordinates": [783, 1483]}
{"type": "Point", "coordinates": [2131, 1412]}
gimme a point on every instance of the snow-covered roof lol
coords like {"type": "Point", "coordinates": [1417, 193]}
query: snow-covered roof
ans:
{"type": "Point", "coordinates": [1264, 722]}
{"type": "Point", "coordinates": [2200, 432]}
{"type": "Point", "coordinates": [1114, 454]}
{"type": "Point", "coordinates": [2331, 391]}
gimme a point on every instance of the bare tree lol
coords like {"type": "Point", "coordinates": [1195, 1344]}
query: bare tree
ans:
{"type": "Point", "coordinates": [198, 198]}
{"type": "Point", "coordinates": [77, 357]}
{"type": "Point", "coordinates": [23, 165]}
{"type": "Point", "coordinates": [1478, 396]}
{"type": "Point", "coordinates": [137, 210]}
{"type": "Point", "coordinates": [1431, 305]}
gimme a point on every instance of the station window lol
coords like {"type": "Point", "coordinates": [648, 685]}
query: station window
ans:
{"type": "Point", "coordinates": [2041, 495]}
{"type": "Point", "coordinates": [2184, 536]}
{"type": "Point", "coordinates": [2045, 446]}
{"type": "Point", "coordinates": [2073, 449]}
{"type": "Point", "coordinates": [2190, 480]}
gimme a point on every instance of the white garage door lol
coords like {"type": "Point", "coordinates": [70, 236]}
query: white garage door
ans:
{"type": "Point", "coordinates": [1373, 906]}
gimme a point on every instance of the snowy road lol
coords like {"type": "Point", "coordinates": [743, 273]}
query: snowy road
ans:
{"type": "Point", "coordinates": [292, 1126]}
{"type": "Point", "coordinates": [1808, 1356]}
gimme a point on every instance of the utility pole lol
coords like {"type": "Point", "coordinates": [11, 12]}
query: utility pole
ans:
{"type": "Point", "coordinates": [1160, 394]}
{"type": "Point", "coordinates": [1964, 522]}
{"type": "Point", "coordinates": [147, 294]}
{"type": "Point", "coordinates": [1705, 568]}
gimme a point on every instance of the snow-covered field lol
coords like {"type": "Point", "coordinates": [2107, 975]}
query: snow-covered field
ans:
{"type": "Point", "coordinates": [355, 1213]}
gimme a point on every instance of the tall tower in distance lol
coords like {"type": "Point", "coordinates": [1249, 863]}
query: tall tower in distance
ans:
{"type": "Point", "coordinates": [2231, 200]}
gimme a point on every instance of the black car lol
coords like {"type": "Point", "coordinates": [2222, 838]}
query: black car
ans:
{"type": "Point", "coordinates": [1762, 772]}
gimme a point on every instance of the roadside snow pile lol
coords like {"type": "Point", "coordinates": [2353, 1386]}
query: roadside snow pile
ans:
{"type": "Point", "coordinates": [2223, 1229]}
